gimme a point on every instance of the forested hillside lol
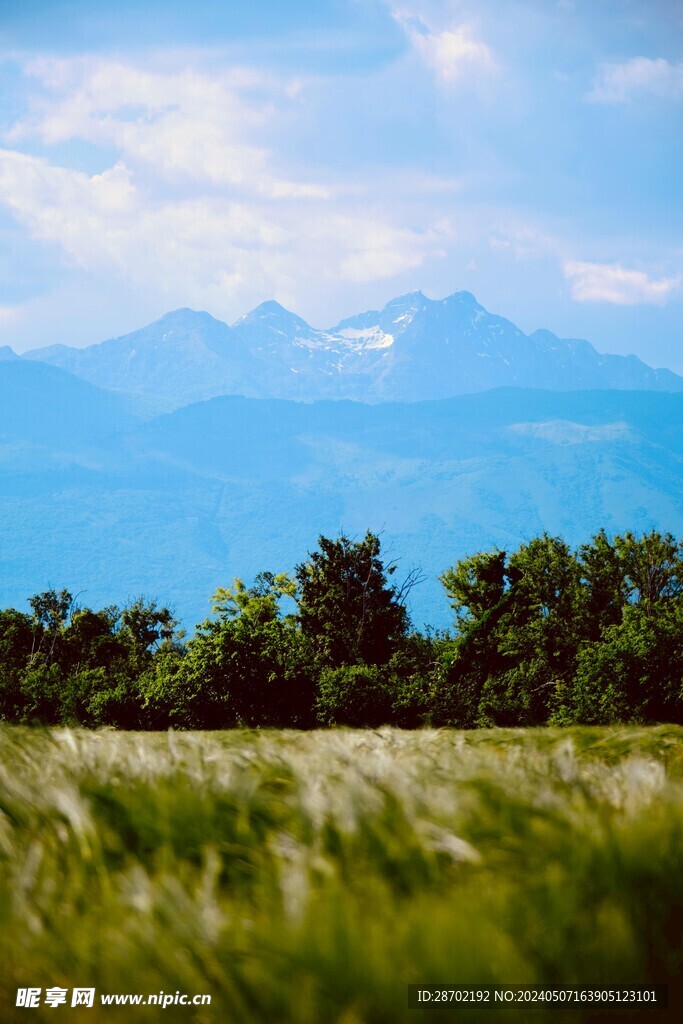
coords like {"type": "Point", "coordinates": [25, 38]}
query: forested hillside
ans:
{"type": "Point", "coordinates": [97, 501]}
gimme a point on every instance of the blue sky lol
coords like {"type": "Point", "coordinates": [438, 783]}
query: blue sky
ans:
{"type": "Point", "coordinates": [334, 154]}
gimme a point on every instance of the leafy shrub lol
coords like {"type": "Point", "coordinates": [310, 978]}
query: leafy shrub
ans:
{"type": "Point", "coordinates": [355, 695]}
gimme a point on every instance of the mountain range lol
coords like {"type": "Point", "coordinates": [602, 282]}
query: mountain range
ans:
{"type": "Point", "coordinates": [412, 350]}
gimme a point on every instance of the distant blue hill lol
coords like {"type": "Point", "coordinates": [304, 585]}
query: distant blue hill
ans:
{"type": "Point", "coordinates": [178, 505]}
{"type": "Point", "coordinates": [49, 406]}
{"type": "Point", "coordinates": [414, 349]}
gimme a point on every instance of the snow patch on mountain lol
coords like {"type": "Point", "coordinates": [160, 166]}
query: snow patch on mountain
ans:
{"type": "Point", "coordinates": [368, 338]}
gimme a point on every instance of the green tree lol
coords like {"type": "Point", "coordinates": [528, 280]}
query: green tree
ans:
{"type": "Point", "coordinates": [249, 665]}
{"type": "Point", "coordinates": [90, 640]}
{"type": "Point", "coordinates": [538, 633]}
{"type": "Point", "coordinates": [633, 674]}
{"type": "Point", "coordinates": [259, 603]}
{"type": "Point", "coordinates": [144, 628]}
{"type": "Point", "coordinates": [346, 605]}
{"type": "Point", "coordinates": [475, 586]}
{"type": "Point", "coordinates": [518, 629]}
{"type": "Point", "coordinates": [86, 666]}
{"type": "Point", "coordinates": [16, 644]}
{"type": "Point", "coordinates": [51, 610]}
{"type": "Point", "coordinates": [42, 690]}
{"type": "Point", "coordinates": [604, 589]}
{"type": "Point", "coordinates": [652, 566]}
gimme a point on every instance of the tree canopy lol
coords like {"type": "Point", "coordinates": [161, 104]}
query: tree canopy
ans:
{"type": "Point", "coordinates": [541, 634]}
{"type": "Point", "coordinates": [346, 604]}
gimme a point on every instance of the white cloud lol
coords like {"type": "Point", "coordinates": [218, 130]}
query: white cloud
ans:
{"type": "Point", "coordinates": [187, 126]}
{"type": "Point", "coordinates": [193, 207]}
{"type": "Point", "coordinates": [209, 249]}
{"type": "Point", "coordinates": [374, 251]}
{"type": "Point", "coordinates": [612, 283]}
{"type": "Point", "coordinates": [523, 242]}
{"type": "Point", "coordinates": [452, 53]}
{"type": "Point", "coordinates": [9, 315]}
{"type": "Point", "coordinates": [641, 76]}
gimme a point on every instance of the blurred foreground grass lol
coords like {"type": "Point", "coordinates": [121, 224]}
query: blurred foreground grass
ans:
{"type": "Point", "coordinates": [309, 877]}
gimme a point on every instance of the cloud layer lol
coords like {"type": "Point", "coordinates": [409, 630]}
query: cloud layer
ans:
{"type": "Point", "coordinates": [452, 53]}
{"type": "Point", "coordinates": [612, 283]}
{"type": "Point", "coordinates": [192, 205]}
{"type": "Point", "coordinates": [638, 77]}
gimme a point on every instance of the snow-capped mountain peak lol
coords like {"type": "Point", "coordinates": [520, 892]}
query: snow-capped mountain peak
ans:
{"type": "Point", "coordinates": [271, 313]}
{"type": "Point", "coordinates": [414, 348]}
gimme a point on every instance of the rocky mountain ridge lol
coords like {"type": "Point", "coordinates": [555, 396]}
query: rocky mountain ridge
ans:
{"type": "Point", "coordinates": [414, 349]}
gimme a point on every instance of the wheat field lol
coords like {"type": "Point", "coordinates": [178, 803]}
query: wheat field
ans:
{"type": "Point", "coordinates": [310, 877]}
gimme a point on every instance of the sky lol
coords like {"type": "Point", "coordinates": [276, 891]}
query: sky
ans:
{"type": "Point", "coordinates": [333, 154]}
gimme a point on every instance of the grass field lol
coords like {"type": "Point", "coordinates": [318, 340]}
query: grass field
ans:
{"type": "Point", "coordinates": [309, 877]}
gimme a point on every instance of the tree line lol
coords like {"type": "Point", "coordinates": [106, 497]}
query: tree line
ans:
{"type": "Point", "coordinates": [542, 635]}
